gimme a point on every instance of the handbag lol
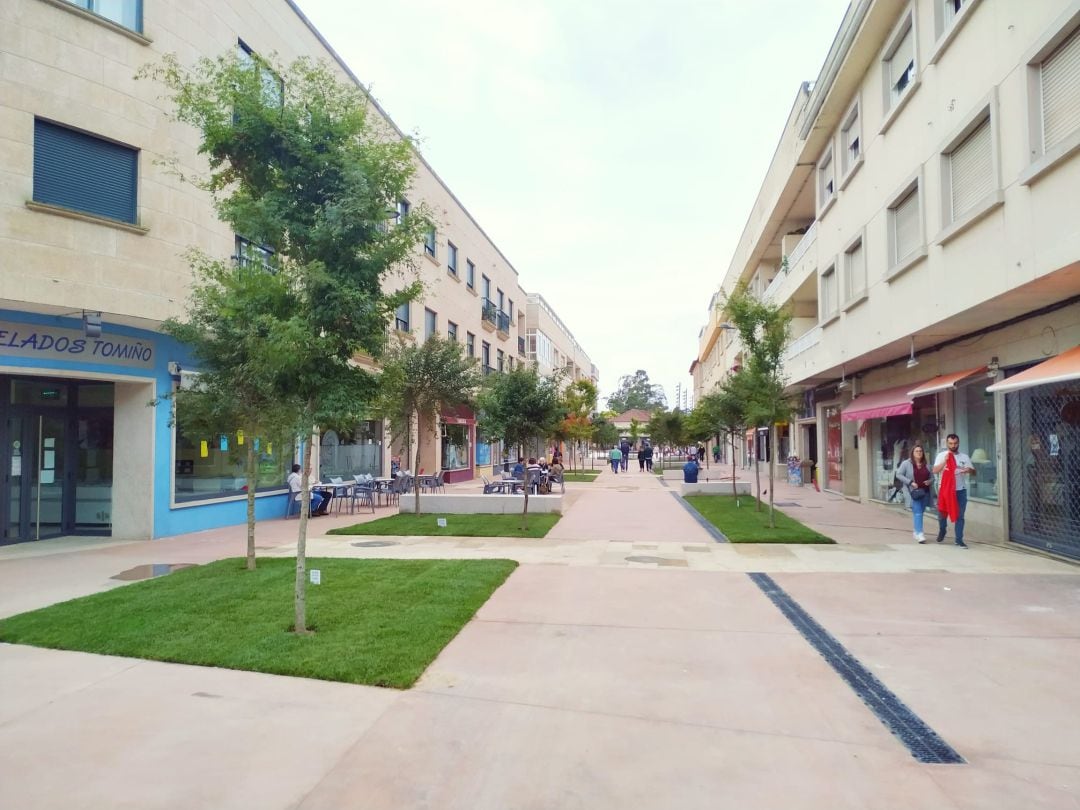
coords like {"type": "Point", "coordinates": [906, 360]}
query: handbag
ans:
{"type": "Point", "coordinates": [918, 494]}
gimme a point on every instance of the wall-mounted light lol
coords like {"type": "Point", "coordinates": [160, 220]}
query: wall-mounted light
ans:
{"type": "Point", "coordinates": [992, 368]}
{"type": "Point", "coordinates": [91, 323]}
{"type": "Point", "coordinates": [912, 360]}
{"type": "Point", "coordinates": [843, 385]}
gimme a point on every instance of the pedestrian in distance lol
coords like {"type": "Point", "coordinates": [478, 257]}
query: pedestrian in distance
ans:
{"type": "Point", "coordinates": [914, 473]}
{"type": "Point", "coordinates": [624, 448]}
{"type": "Point", "coordinates": [690, 471]}
{"type": "Point", "coordinates": [641, 458]}
{"type": "Point", "coordinates": [716, 454]}
{"type": "Point", "coordinates": [648, 456]}
{"type": "Point", "coordinates": [954, 468]}
{"type": "Point", "coordinates": [615, 456]}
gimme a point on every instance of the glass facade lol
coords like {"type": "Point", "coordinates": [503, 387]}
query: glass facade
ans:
{"type": "Point", "coordinates": [892, 439]}
{"type": "Point", "coordinates": [456, 449]}
{"type": "Point", "coordinates": [978, 438]}
{"type": "Point", "coordinates": [211, 464]}
{"type": "Point", "coordinates": [348, 453]}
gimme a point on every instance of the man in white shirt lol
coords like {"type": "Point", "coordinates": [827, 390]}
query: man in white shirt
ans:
{"type": "Point", "coordinates": [295, 485]}
{"type": "Point", "coordinates": [964, 469]}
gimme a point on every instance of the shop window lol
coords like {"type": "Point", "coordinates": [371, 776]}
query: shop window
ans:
{"type": "Point", "coordinates": [346, 453]}
{"type": "Point", "coordinates": [892, 440]}
{"type": "Point", "coordinates": [978, 438]}
{"type": "Point", "coordinates": [456, 449]}
{"type": "Point", "coordinates": [211, 464]}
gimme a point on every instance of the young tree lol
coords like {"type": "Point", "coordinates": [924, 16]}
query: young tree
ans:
{"type": "Point", "coordinates": [418, 381]}
{"type": "Point", "coordinates": [519, 405]}
{"type": "Point", "coordinates": [635, 431]}
{"type": "Point", "coordinates": [635, 391]}
{"type": "Point", "coordinates": [225, 330]}
{"type": "Point", "coordinates": [604, 433]}
{"type": "Point", "coordinates": [299, 165]}
{"type": "Point", "coordinates": [579, 399]}
{"type": "Point", "coordinates": [764, 329]}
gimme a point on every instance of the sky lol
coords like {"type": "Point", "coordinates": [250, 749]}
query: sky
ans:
{"type": "Point", "coordinates": [611, 149]}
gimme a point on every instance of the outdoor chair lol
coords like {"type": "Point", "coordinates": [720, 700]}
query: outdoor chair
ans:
{"type": "Point", "coordinates": [532, 480]}
{"type": "Point", "coordinates": [362, 495]}
{"type": "Point", "coordinates": [493, 487]}
{"type": "Point", "coordinates": [557, 479]}
{"type": "Point", "coordinates": [440, 483]}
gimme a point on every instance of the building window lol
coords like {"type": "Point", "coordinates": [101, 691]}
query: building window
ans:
{"type": "Point", "coordinates": [905, 226]}
{"type": "Point", "coordinates": [211, 464]}
{"type": "Point", "coordinates": [251, 254]}
{"type": "Point", "coordinates": [510, 309]}
{"type": "Point", "coordinates": [429, 243]}
{"type": "Point", "coordinates": [430, 323]}
{"type": "Point", "coordinates": [347, 453]}
{"type": "Point", "coordinates": [850, 141]}
{"type": "Point", "coordinates": [485, 287]}
{"type": "Point", "coordinates": [970, 172]}
{"type": "Point", "coordinates": [1059, 89]}
{"type": "Point", "coordinates": [401, 320]}
{"type": "Point", "coordinates": [974, 415]}
{"type": "Point", "coordinates": [127, 13]}
{"type": "Point", "coordinates": [899, 65]}
{"type": "Point", "coordinates": [485, 355]}
{"type": "Point", "coordinates": [456, 450]}
{"type": "Point", "coordinates": [500, 356]}
{"type": "Point", "coordinates": [403, 208]}
{"type": "Point", "coordinates": [470, 274]}
{"type": "Point", "coordinates": [470, 344]}
{"type": "Point", "coordinates": [451, 331]}
{"type": "Point", "coordinates": [826, 182]}
{"type": "Point", "coordinates": [451, 257]}
{"type": "Point", "coordinates": [83, 173]}
{"type": "Point", "coordinates": [855, 271]}
{"type": "Point", "coordinates": [273, 88]}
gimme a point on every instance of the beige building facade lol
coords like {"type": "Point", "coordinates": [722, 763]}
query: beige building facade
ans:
{"type": "Point", "coordinates": [93, 231]}
{"type": "Point", "coordinates": [918, 222]}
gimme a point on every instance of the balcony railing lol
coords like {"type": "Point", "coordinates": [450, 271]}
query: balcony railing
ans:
{"type": "Point", "coordinates": [502, 322]}
{"type": "Point", "coordinates": [793, 274]}
{"type": "Point", "coordinates": [802, 344]}
{"type": "Point", "coordinates": [488, 311]}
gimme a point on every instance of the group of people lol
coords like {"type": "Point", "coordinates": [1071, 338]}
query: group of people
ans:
{"type": "Point", "coordinates": [954, 469]}
{"type": "Point", "coordinates": [619, 456]}
{"type": "Point", "coordinates": [547, 472]}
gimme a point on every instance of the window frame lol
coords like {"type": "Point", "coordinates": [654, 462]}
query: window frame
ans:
{"type": "Point", "coordinates": [898, 265]}
{"type": "Point", "coordinates": [947, 26]}
{"type": "Point", "coordinates": [451, 331]}
{"type": "Point", "coordinates": [451, 258]}
{"type": "Point", "coordinates": [828, 160]}
{"type": "Point", "coordinates": [407, 320]}
{"type": "Point", "coordinates": [135, 33]}
{"type": "Point", "coordinates": [827, 317]}
{"type": "Point", "coordinates": [852, 118]}
{"type": "Point", "coordinates": [470, 274]}
{"type": "Point", "coordinates": [891, 107]}
{"type": "Point", "coordinates": [431, 323]}
{"type": "Point", "coordinates": [1041, 160]}
{"type": "Point", "coordinates": [986, 109]}
{"type": "Point", "coordinates": [470, 345]}
{"type": "Point", "coordinates": [431, 246]}
{"type": "Point", "coordinates": [852, 297]}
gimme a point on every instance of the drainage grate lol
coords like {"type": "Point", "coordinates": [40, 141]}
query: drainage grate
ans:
{"type": "Point", "coordinates": [921, 740]}
{"type": "Point", "coordinates": [375, 543]}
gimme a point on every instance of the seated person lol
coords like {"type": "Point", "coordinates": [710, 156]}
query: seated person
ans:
{"type": "Point", "coordinates": [690, 471]}
{"type": "Point", "coordinates": [556, 469]}
{"type": "Point", "coordinates": [519, 470]}
{"type": "Point", "coordinates": [543, 463]}
{"type": "Point", "coordinates": [533, 471]}
{"type": "Point", "coordinates": [295, 485]}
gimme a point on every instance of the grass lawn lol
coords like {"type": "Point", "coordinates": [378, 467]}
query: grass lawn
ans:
{"type": "Point", "coordinates": [742, 524]}
{"type": "Point", "coordinates": [456, 526]}
{"type": "Point", "coordinates": [581, 476]}
{"type": "Point", "coordinates": [378, 622]}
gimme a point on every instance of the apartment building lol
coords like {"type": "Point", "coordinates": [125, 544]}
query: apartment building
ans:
{"type": "Point", "coordinates": [918, 219]}
{"type": "Point", "coordinates": [552, 346]}
{"type": "Point", "coordinates": [92, 235]}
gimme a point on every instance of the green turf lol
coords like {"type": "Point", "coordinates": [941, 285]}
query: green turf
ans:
{"type": "Point", "coordinates": [743, 524]}
{"type": "Point", "coordinates": [378, 622]}
{"type": "Point", "coordinates": [456, 526]}
{"type": "Point", "coordinates": [581, 476]}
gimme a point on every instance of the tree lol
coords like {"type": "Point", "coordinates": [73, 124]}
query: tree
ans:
{"type": "Point", "coordinates": [666, 429]}
{"type": "Point", "coordinates": [635, 391]}
{"type": "Point", "coordinates": [519, 405]}
{"type": "Point", "coordinates": [579, 400]}
{"type": "Point", "coordinates": [604, 433]}
{"type": "Point", "coordinates": [418, 381]}
{"type": "Point", "coordinates": [635, 431]}
{"type": "Point", "coordinates": [299, 166]}
{"type": "Point", "coordinates": [225, 330]}
{"type": "Point", "coordinates": [727, 408]}
{"type": "Point", "coordinates": [699, 425]}
{"type": "Point", "coordinates": [764, 329]}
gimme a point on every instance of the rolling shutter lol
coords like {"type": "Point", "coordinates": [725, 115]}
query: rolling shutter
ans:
{"type": "Point", "coordinates": [1060, 79]}
{"type": "Point", "coordinates": [971, 169]}
{"type": "Point", "coordinates": [78, 171]}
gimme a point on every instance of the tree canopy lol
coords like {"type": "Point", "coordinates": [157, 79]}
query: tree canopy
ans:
{"type": "Point", "coordinates": [635, 391]}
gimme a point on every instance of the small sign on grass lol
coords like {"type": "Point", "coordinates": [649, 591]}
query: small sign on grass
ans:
{"type": "Point", "coordinates": [316, 576]}
{"type": "Point", "coordinates": [440, 522]}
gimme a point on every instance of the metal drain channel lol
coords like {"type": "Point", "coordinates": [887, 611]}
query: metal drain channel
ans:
{"type": "Point", "coordinates": [921, 740]}
{"type": "Point", "coordinates": [714, 532]}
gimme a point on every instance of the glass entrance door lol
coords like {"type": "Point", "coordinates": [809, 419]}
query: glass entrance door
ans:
{"type": "Point", "coordinates": [35, 480]}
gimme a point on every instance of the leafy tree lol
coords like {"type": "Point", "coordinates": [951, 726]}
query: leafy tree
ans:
{"type": "Point", "coordinates": [310, 174]}
{"type": "Point", "coordinates": [604, 433]}
{"type": "Point", "coordinates": [635, 391]}
{"type": "Point", "coordinates": [225, 328]}
{"type": "Point", "coordinates": [699, 425]}
{"type": "Point", "coordinates": [635, 431]}
{"type": "Point", "coordinates": [764, 329]}
{"type": "Point", "coordinates": [667, 429]}
{"type": "Point", "coordinates": [579, 400]}
{"type": "Point", "coordinates": [418, 381]}
{"type": "Point", "coordinates": [517, 406]}
{"type": "Point", "coordinates": [727, 409]}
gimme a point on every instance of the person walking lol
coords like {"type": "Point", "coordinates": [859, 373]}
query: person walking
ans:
{"type": "Point", "coordinates": [914, 473]}
{"type": "Point", "coordinates": [954, 468]}
{"type": "Point", "coordinates": [624, 448]}
{"type": "Point", "coordinates": [648, 457]}
{"type": "Point", "coordinates": [641, 458]}
{"type": "Point", "coordinates": [716, 454]}
{"type": "Point", "coordinates": [615, 456]}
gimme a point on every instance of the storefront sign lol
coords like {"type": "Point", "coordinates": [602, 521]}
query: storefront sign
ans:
{"type": "Point", "coordinates": [38, 342]}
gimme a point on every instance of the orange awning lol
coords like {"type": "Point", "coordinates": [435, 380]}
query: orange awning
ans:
{"type": "Point", "coordinates": [1063, 368]}
{"type": "Point", "coordinates": [945, 382]}
{"type": "Point", "coordinates": [878, 405]}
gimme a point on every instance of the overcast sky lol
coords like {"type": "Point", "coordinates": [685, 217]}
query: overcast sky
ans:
{"type": "Point", "coordinates": [611, 149]}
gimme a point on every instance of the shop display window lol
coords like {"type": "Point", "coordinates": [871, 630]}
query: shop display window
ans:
{"type": "Point", "coordinates": [978, 438]}
{"type": "Point", "coordinates": [347, 453]}
{"type": "Point", "coordinates": [456, 450]}
{"type": "Point", "coordinates": [892, 440]}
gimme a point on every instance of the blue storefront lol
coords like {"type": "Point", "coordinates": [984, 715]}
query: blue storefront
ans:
{"type": "Point", "coordinates": [86, 451]}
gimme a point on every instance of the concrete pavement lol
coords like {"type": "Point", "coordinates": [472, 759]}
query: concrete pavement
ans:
{"type": "Point", "coordinates": [627, 663]}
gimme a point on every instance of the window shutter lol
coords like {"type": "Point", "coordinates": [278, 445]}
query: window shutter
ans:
{"type": "Point", "coordinates": [1060, 79]}
{"type": "Point", "coordinates": [906, 226]}
{"type": "Point", "coordinates": [856, 272]}
{"type": "Point", "coordinates": [84, 173]}
{"type": "Point", "coordinates": [971, 168]}
{"type": "Point", "coordinates": [901, 58]}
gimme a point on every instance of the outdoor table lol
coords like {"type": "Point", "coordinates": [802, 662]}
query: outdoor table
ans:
{"type": "Point", "coordinates": [339, 491]}
{"type": "Point", "coordinates": [515, 484]}
{"type": "Point", "coordinates": [381, 485]}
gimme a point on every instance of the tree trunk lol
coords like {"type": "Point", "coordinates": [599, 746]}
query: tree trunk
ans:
{"type": "Point", "coordinates": [757, 471]}
{"type": "Point", "coordinates": [734, 490]}
{"type": "Point", "coordinates": [525, 508]}
{"type": "Point", "coordinates": [772, 486]}
{"type": "Point", "coordinates": [300, 620]}
{"type": "Point", "coordinates": [416, 478]}
{"type": "Point", "coordinates": [252, 481]}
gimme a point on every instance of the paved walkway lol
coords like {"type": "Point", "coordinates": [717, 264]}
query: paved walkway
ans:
{"type": "Point", "coordinates": [627, 663]}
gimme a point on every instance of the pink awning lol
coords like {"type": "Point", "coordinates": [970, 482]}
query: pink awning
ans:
{"type": "Point", "coordinates": [1063, 368]}
{"type": "Point", "coordinates": [945, 382]}
{"type": "Point", "coordinates": [879, 404]}
{"type": "Point", "coordinates": [458, 415]}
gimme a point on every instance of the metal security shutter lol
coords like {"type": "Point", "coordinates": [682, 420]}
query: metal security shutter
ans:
{"type": "Point", "coordinates": [906, 226]}
{"type": "Point", "coordinates": [971, 170]}
{"type": "Point", "coordinates": [1060, 79]}
{"type": "Point", "coordinates": [78, 171]}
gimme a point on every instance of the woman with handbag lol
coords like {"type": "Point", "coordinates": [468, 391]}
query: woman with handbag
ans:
{"type": "Point", "coordinates": [916, 476]}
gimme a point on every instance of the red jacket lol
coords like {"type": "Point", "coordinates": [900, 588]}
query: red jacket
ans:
{"type": "Point", "coordinates": [947, 505]}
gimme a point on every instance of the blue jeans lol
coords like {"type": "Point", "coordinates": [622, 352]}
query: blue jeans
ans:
{"type": "Point", "coordinates": [918, 508]}
{"type": "Point", "coordinates": [615, 465]}
{"type": "Point", "coordinates": [943, 522]}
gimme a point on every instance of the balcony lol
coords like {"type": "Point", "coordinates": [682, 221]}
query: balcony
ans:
{"type": "Point", "coordinates": [801, 344]}
{"type": "Point", "coordinates": [489, 314]}
{"type": "Point", "coordinates": [502, 323]}
{"type": "Point", "coordinates": [802, 265]}
{"type": "Point", "coordinates": [521, 346]}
